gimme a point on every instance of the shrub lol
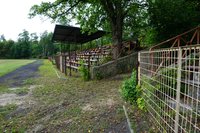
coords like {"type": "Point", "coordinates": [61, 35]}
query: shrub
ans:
{"type": "Point", "coordinates": [141, 103]}
{"type": "Point", "coordinates": [128, 89]}
{"type": "Point", "coordinates": [85, 74]}
{"type": "Point", "coordinates": [132, 92]}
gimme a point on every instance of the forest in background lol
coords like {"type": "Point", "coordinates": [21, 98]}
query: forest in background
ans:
{"type": "Point", "coordinates": [28, 45]}
{"type": "Point", "coordinates": [149, 21]}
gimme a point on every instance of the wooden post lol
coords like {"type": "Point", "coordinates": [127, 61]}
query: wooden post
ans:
{"type": "Point", "coordinates": [65, 64]}
{"type": "Point", "coordinates": [138, 70]}
{"type": "Point", "coordinates": [97, 59]}
{"type": "Point", "coordinates": [89, 63]}
{"type": "Point", "coordinates": [70, 69]}
{"type": "Point", "coordinates": [60, 62]}
{"type": "Point", "coordinates": [61, 58]}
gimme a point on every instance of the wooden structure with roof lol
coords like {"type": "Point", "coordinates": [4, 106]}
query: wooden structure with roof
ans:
{"type": "Point", "coordinates": [73, 36]}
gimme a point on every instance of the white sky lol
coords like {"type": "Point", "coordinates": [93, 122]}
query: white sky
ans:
{"type": "Point", "coordinates": [14, 18]}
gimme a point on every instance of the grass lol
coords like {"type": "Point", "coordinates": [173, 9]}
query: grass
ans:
{"type": "Point", "coordinates": [7, 66]}
{"type": "Point", "coordinates": [70, 105]}
{"type": "Point", "coordinates": [4, 89]}
{"type": "Point", "coordinates": [19, 90]}
{"type": "Point", "coordinates": [4, 111]}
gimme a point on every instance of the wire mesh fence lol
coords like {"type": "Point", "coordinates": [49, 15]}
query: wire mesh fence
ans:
{"type": "Point", "coordinates": [170, 79]}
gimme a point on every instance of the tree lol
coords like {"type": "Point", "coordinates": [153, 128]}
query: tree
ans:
{"type": "Point", "coordinates": [2, 38]}
{"type": "Point", "coordinates": [92, 15]}
{"type": "Point", "coordinates": [22, 47]}
{"type": "Point", "coordinates": [48, 48]}
{"type": "Point", "coordinates": [6, 48]}
{"type": "Point", "coordinates": [36, 49]}
{"type": "Point", "coordinates": [172, 17]}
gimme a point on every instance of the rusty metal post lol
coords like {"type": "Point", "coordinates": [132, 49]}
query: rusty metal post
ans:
{"type": "Point", "coordinates": [195, 33]}
{"type": "Point", "coordinates": [179, 41]}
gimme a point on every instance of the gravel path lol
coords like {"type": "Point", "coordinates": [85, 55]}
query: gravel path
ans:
{"type": "Point", "coordinates": [16, 78]}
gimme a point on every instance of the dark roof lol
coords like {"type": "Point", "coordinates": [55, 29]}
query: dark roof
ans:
{"type": "Point", "coordinates": [71, 34]}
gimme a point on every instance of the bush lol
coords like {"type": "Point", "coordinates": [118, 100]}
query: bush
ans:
{"type": "Point", "coordinates": [128, 89]}
{"type": "Point", "coordinates": [131, 92]}
{"type": "Point", "coordinates": [85, 74]}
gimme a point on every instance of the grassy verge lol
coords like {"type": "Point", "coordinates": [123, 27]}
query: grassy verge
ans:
{"type": "Point", "coordinates": [7, 66]}
{"type": "Point", "coordinates": [70, 105]}
{"type": "Point", "coordinates": [19, 91]}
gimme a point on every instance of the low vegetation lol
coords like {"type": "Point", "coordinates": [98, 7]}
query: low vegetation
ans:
{"type": "Point", "coordinates": [131, 92]}
{"type": "Point", "coordinates": [85, 74]}
{"type": "Point", "coordinates": [71, 105]}
{"type": "Point", "coordinates": [136, 107]}
{"type": "Point", "coordinates": [128, 89]}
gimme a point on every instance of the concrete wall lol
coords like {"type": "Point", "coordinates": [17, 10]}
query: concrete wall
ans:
{"type": "Point", "coordinates": [112, 68]}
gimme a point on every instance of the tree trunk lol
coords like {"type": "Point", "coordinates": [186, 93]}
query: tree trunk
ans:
{"type": "Point", "coordinates": [117, 37]}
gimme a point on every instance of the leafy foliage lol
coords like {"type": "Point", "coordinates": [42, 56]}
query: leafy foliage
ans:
{"type": "Point", "coordinates": [132, 92]}
{"type": "Point", "coordinates": [128, 89]}
{"type": "Point", "coordinates": [85, 73]}
{"type": "Point", "coordinates": [110, 15]}
{"type": "Point", "coordinates": [172, 17]}
{"type": "Point", "coordinates": [141, 103]}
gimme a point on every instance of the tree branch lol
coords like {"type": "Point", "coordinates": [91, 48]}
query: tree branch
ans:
{"type": "Point", "coordinates": [108, 7]}
{"type": "Point", "coordinates": [71, 8]}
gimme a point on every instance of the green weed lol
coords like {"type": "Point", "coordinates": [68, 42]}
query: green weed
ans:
{"type": "Point", "coordinates": [85, 73]}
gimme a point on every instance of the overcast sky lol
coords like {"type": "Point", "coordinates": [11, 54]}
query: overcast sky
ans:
{"type": "Point", "coordinates": [14, 18]}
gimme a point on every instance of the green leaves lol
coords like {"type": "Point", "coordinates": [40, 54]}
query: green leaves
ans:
{"type": "Point", "coordinates": [89, 14]}
{"type": "Point", "coordinates": [172, 17]}
{"type": "Point", "coordinates": [85, 73]}
{"type": "Point", "coordinates": [128, 89]}
{"type": "Point", "coordinates": [132, 92]}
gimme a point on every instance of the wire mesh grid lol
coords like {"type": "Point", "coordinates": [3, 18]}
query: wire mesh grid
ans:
{"type": "Point", "coordinates": [170, 79]}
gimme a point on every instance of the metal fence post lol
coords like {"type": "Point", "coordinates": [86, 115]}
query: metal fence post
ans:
{"type": "Point", "coordinates": [178, 89]}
